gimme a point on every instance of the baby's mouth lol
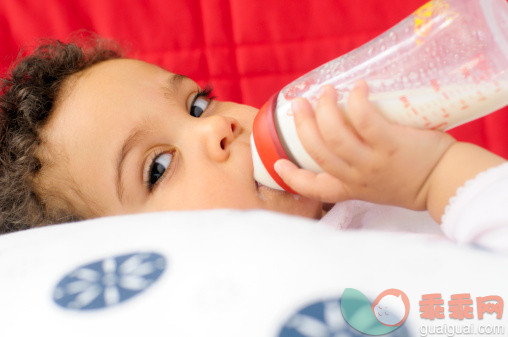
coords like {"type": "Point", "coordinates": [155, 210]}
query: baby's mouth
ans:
{"type": "Point", "coordinates": [262, 189]}
{"type": "Point", "coordinates": [259, 186]}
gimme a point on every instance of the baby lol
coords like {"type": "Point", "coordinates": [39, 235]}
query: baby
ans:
{"type": "Point", "coordinates": [85, 133]}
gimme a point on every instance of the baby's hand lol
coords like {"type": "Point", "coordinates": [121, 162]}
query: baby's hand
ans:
{"type": "Point", "coordinates": [364, 156]}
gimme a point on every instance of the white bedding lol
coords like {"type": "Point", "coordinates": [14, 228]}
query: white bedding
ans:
{"type": "Point", "coordinates": [224, 273]}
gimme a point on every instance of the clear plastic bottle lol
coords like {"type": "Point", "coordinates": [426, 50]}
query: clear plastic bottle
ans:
{"type": "Point", "coordinates": [444, 65]}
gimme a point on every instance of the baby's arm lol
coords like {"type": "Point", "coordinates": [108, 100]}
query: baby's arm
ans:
{"type": "Point", "coordinates": [462, 162]}
{"type": "Point", "coordinates": [366, 157]}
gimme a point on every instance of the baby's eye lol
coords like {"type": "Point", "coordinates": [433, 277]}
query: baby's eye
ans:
{"type": "Point", "coordinates": [199, 106]}
{"type": "Point", "coordinates": [158, 167]}
{"type": "Point", "coordinates": [201, 101]}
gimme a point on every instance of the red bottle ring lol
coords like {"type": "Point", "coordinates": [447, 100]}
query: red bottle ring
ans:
{"type": "Point", "coordinates": [267, 140]}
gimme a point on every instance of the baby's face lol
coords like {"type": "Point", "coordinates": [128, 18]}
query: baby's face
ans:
{"type": "Point", "coordinates": [130, 137]}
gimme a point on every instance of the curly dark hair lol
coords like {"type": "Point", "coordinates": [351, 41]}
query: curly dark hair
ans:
{"type": "Point", "coordinates": [28, 95]}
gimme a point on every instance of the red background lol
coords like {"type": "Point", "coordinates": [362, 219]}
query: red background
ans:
{"type": "Point", "coordinates": [247, 49]}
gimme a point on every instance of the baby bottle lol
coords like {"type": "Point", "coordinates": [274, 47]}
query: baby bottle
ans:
{"type": "Point", "coordinates": [444, 65]}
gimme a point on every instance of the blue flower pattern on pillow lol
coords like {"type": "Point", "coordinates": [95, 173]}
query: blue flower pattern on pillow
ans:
{"type": "Point", "coordinates": [109, 281]}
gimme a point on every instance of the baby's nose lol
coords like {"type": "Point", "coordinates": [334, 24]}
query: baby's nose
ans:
{"type": "Point", "coordinates": [219, 132]}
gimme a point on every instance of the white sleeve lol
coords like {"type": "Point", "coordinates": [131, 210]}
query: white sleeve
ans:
{"type": "Point", "coordinates": [478, 213]}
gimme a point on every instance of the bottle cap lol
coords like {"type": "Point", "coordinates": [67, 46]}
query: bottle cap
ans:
{"type": "Point", "coordinates": [267, 140]}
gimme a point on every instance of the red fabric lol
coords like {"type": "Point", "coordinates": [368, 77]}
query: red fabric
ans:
{"type": "Point", "coordinates": [246, 49]}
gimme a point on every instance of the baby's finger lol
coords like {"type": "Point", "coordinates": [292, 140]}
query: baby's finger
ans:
{"type": "Point", "coordinates": [318, 186]}
{"type": "Point", "coordinates": [337, 132]}
{"type": "Point", "coordinates": [366, 118]}
{"type": "Point", "coordinates": [312, 141]}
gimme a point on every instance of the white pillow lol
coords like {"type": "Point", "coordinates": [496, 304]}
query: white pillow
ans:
{"type": "Point", "coordinates": [224, 273]}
